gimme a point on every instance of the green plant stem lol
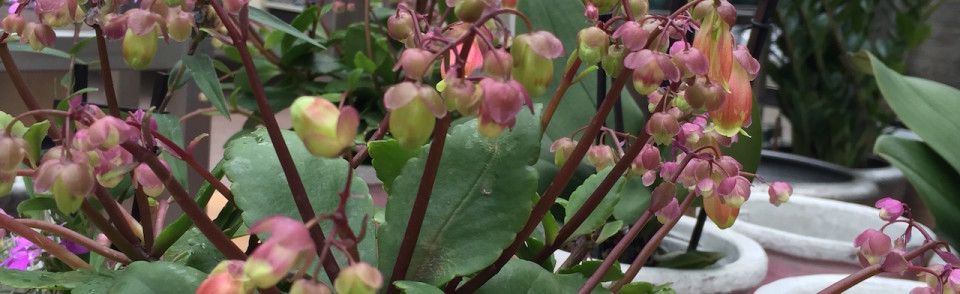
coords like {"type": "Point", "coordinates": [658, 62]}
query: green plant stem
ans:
{"type": "Point", "coordinates": [867, 272]}
{"type": "Point", "coordinates": [190, 208]}
{"type": "Point", "coordinates": [135, 253]}
{"type": "Point", "coordinates": [419, 210]}
{"type": "Point", "coordinates": [363, 151]}
{"type": "Point", "coordinates": [276, 137]}
{"type": "Point", "coordinates": [146, 218]}
{"type": "Point", "coordinates": [556, 186]}
{"type": "Point", "coordinates": [75, 237]}
{"type": "Point", "coordinates": [43, 242]}
{"type": "Point", "coordinates": [648, 248]}
{"type": "Point", "coordinates": [558, 95]}
{"type": "Point", "coordinates": [614, 256]}
{"type": "Point", "coordinates": [107, 76]}
{"type": "Point", "coordinates": [22, 89]}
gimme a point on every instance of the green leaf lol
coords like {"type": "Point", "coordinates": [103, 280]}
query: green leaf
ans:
{"type": "Point", "coordinates": [269, 20]}
{"type": "Point", "coordinates": [689, 260]}
{"type": "Point", "coordinates": [34, 136]}
{"type": "Point", "coordinates": [587, 268]}
{"type": "Point", "coordinates": [272, 40]}
{"type": "Point", "coordinates": [260, 189]}
{"type": "Point", "coordinates": [46, 50]}
{"type": "Point", "coordinates": [935, 181]}
{"type": "Point", "coordinates": [389, 159]}
{"type": "Point", "coordinates": [636, 288]}
{"type": "Point", "coordinates": [205, 75]}
{"type": "Point", "coordinates": [414, 287]}
{"type": "Point", "coordinates": [196, 251]}
{"type": "Point", "coordinates": [360, 60]}
{"type": "Point", "coordinates": [80, 45]}
{"type": "Point", "coordinates": [609, 230]}
{"type": "Point", "coordinates": [598, 216]}
{"type": "Point", "coordinates": [18, 128]}
{"type": "Point", "coordinates": [634, 199]}
{"type": "Point", "coordinates": [169, 126]}
{"type": "Point", "coordinates": [36, 204]}
{"type": "Point", "coordinates": [158, 277]}
{"type": "Point", "coordinates": [480, 201]}
{"type": "Point", "coordinates": [353, 79]}
{"type": "Point", "coordinates": [926, 107]}
{"type": "Point", "coordinates": [521, 276]}
{"type": "Point", "coordinates": [82, 91]}
{"type": "Point", "coordinates": [50, 280]}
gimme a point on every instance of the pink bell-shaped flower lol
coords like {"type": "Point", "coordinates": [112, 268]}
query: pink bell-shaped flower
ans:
{"type": "Point", "coordinates": [649, 159]}
{"type": "Point", "coordinates": [227, 278]}
{"type": "Point", "coordinates": [304, 286]}
{"type": "Point", "coordinates": [39, 35]}
{"type": "Point", "coordinates": [400, 26]}
{"type": "Point", "coordinates": [734, 190]}
{"type": "Point", "coordinates": [633, 35]}
{"type": "Point", "coordinates": [662, 126]}
{"type": "Point", "coordinates": [146, 179]}
{"type": "Point", "coordinates": [780, 192]}
{"type": "Point", "coordinates": [502, 101]}
{"type": "Point", "coordinates": [890, 209]}
{"type": "Point", "coordinates": [600, 156]}
{"type": "Point", "coordinates": [689, 60]}
{"type": "Point", "coordinates": [462, 95]}
{"type": "Point", "coordinates": [661, 196]}
{"type": "Point", "coordinates": [325, 130]}
{"type": "Point", "coordinates": [360, 278]}
{"type": "Point", "coordinates": [532, 60]}
{"type": "Point", "coordinates": [413, 109]}
{"type": "Point", "coordinates": [12, 152]}
{"type": "Point", "coordinates": [69, 180]}
{"type": "Point", "coordinates": [592, 44]}
{"type": "Point", "coordinates": [180, 25]}
{"type": "Point", "coordinates": [109, 131]}
{"type": "Point", "coordinates": [113, 165]}
{"type": "Point", "coordinates": [498, 64]}
{"type": "Point", "coordinates": [650, 68]}
{"type": "Point", "coordinates": [416, 63]}
{"type": "Point", "coordinates": [669, 212]}
{"type": "Point", "coordinates": [288, 247]}
{"type": "Point", "coordinates": [872, 246]}
{"type": "Point", "coordinates": [234, 6]}
{"type": "Point", "coordinates": [13, 23]}
{"type": "Point", "coordinates": [562, 149]}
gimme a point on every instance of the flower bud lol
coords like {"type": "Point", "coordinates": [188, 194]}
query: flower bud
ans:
{"type": "Point", "coordinates": [890, 209]}
{"type": "Point", "coordinates": [532, 65]}
{"type": "Point", "coordinates": [462, 95]}
{"type": "Point", "coordinates": [226, 278]}
{"type": "Point", "coordinates": [668, 170]}
{"type": "Point", "coordinates": [146, 179]}
{"type": "Point", "coordinates": [726, 166]}
{"type": "Point", "coordinates": [359, 278]}
{"type": "Point", "coordinates": [289, 247]}
{"type": "Point", "coordinates": [734, 190]}
{"type": "Point", "coordinates": [180, 25]}
{"type": "Point", "coordinates": [413, 109]}
{"type": "Point", "coordinates": [780, 193]}
{"type": "Point", "coordinates": [6, 185]}
{"type": "Point", "coordinates": [12, 152]}
{"type": "Point", "coordinates": [701, 10]}
{"type": "Point", "coordinates": [703, 94]}
{"type": "Point", "coordinates": [109, 131]}
{"type": "Point", "coordinates": [649, 159]}
{"type": "Point", "coordinates": [115, 27]}
{"type": "Point", "coordinates": [14, 24]}
{"type": "Point", "coordinates": [113, 165]}
{"type": "Point", "coordinates": [39, 35]}
{"type": "Point", "coordinates": [502, 101]}
{"type": "Point", "coordinates": [690, 135]}
{"type": "Point", "coordinates": [603, 5]}
{"type": "Point", "coordinates": [470, 10]}
{"type": "Point", "coordinates": [400, 25]}
{"type": "Point", "coordinates": [638, 8]}
{"type": "Point", "coordinates": [662, 126]}
{"type": "Point", "coordinates": [688, 60]}
{"type": "Point", "coordinates": [304, 286]}
{"type": "Point", "coordinates": [750, 64]}
{"type": "Point", "coordinates": [592, 44]}
{"type": "Point", "coordinates": [727, 13]}
{"type": "Point", "coordinates": [68, 181]}
{"type": "Point", "coordinates": [324, 130]}
{"type": "Point", "coordinates": [612, 63]}
{"type": "Point", "coordinates": [562, 149]}
{"type": "Point", "coordinates": [103, 240]}
{"type": "Point", "coordinates": [416, 63]}
{"type": "Point", "coordinates": [872, 245]}
{"type": "Point", "coordinates": [707, 188]}
{"type": "Point", "coordinates": [669, 212]}
{"type": "Point", "coordinates": [138, 51]}
{"type": "Point", "coordinates": [498, 63]}
{"type": "Point", "coordinates": [633, 35]}
{"type": "Point", "coordinates": [234, 6]}
{"type": "Point", "coordinates": [600, 156]}
{"type": "Point", "coordinates": [591, 12]}
{"type": "Point", "coordinates": [650, 70]}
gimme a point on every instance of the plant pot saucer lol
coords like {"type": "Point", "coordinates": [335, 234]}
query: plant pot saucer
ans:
{"type": "Point", "coordinates": [743, 266]}
{"type": "Point", "coordinates": [815, 283]}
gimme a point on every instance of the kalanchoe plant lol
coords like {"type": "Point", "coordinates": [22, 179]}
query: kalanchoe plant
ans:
{"type": "Point", "coordinates": [463, 201]}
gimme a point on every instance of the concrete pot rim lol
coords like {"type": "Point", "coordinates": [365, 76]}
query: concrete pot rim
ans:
{"type": "Point", "coordinates": [799, 245]}
{"type": "Point", "coordinates": [806, 284]}
{"type": "Point", "coordinates": [746, 272]}
{"type": "Point", "coordinates": [857, 189]}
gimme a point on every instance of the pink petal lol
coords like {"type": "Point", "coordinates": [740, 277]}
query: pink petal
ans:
{"type": "Point", "coordinates": [399, 95]}
{"type": "Point", "coordinates": [639, 59]}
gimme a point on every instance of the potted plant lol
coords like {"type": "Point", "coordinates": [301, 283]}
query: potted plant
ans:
{"type": "Point", "coordinates": [462, 215]}
{"type": "Point", "coordinates": [835, 111]}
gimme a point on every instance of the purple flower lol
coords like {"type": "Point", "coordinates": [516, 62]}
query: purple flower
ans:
{"type": "Point", "coordinates": [22, 256]}
{"type": "Point", "coordinates": [73, 247]}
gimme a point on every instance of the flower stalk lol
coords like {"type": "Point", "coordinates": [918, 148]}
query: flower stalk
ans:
{"type": "Point", "coordinates": [42, 241]}
{"type": "Point", "coordinates": [76, 238]}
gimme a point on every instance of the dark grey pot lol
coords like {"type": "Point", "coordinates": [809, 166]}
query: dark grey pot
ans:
{"type": "Point", "coordinates": [817, 178]}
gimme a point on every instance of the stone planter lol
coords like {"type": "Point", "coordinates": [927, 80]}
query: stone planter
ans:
{"type": "Point", "coordinates": [817, 178]}
{"type": "Point", "coordinates": [743, 266]}
{"type": "Point", "coordinates": [815, 283]}
{"type": "Point", "coordinates": [810, 228]}
{"type": "Point", "coordinates": [889, 179]}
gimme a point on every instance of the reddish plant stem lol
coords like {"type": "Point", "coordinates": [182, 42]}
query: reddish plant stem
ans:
{"type": "Point", "coordinates": [412, 232]}
{"type": "Point", "coordinates": [340, 218]}
{"type": "Point", "coordinates": [558, 95]}
{"type": "Point", "coordinates": [193, 163]}
{"type": "Point", "coordinates": [614, 256]}
{"type": "Point", "coordinates": [867, 272]}
{"type": "Point", "coordinates": [648, 248]}
{"type": "Point", "coordinates": [43, 242]}
{"type": "Point", "coordinates": [22, 89]}
{"type": "Point", "coordinates": [363, 151]}
{"type": "Point", "coordinates": [146, 218]}
{"type": "Point", "coordinates": [556, 186]}
{"type": "Point", "coordinates": [105, 73]}
{"type": "Point", "coordinates": [626, 9]}
{"type": "Point", "coordinates": [117, 215]}
{"type": "Point", "coordinates": [276, 137]}
{"type": "Point", "coordinates": [135, 253]}
{"type": "Point", "coordinates": [190, 208]}
{"type": "Point", "coordinates": [76, 238]}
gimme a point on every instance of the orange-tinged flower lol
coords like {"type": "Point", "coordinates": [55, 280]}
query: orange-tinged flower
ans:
{"type": "Point", "coordinates": [721, 214]}
{"type": "Point", "coordinates": [714, 41]}
{"type": "Point", "coordinates": [735, 112]}
{"type": "Point", "coordinates": [474, 60]}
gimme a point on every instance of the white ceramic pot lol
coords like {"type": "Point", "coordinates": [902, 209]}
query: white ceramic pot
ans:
{"type": "Point", "coordinates": [815, 283]}
{"type": "Point", "coordinates": [743, 266]}
{"type": "Point", "coordinates": [813, 228]}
